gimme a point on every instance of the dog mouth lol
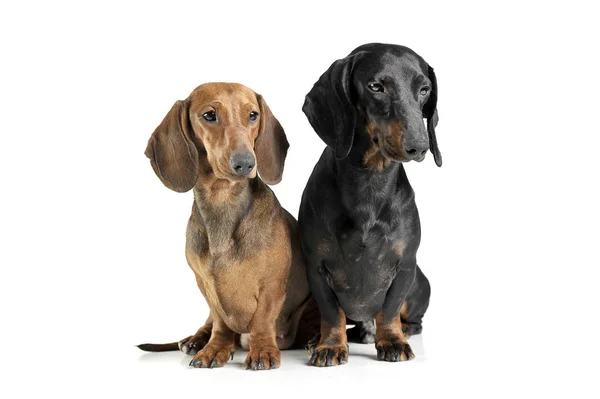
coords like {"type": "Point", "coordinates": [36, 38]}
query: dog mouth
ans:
{"type": "Point", "coordinates": [389, 152]}
{"type": "Point", "coordinates": [231, 177]}
{"type": "Point", "coordinates": [420, 158]}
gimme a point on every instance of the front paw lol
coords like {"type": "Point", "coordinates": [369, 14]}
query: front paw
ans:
{"type": "Point", "coordinates": [191, 345]}
{"type": "Point", "coordinates": [393, 350]}
{"type": "Point", "coordinates": [313, 343]}
{"type": "Point", "coordinates": [329, 355]}
{"type": "Point", "coordinates": [211, 356]}
{"type": "Point", "coordinates": [266, 358]}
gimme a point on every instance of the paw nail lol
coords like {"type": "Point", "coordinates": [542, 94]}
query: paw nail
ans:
{"type": "Point", "coordinates": [330, 357]}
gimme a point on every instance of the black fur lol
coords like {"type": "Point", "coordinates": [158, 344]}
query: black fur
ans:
{"type": "Point", "coordinates": [354, 220]}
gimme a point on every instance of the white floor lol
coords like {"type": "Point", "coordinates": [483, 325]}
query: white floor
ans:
{"type": "Point", "coordinates": [363, 373]}
{"type": "Point", "coordinates": [361, 356]}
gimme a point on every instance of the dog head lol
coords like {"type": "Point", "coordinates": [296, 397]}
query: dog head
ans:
{"type": "Point", "coordinates": [228, 124]}
{"type": "Point", "coordinates": [387, 88]}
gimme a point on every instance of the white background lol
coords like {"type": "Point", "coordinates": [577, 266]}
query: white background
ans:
{"type": "Point", "coordinates": [92, 244]}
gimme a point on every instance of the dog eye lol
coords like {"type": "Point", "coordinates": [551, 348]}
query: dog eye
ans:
{"type": "Point", "coordinates": [376, 87]}
{"type": "Point", "coordinates": [209, 116]}
{"type": "Point", "coordinates": [253, 116]}
{"type": "Point", "coordinates": [424, 91]}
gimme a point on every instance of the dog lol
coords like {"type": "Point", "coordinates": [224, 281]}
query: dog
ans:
{"type": "Point", "coordinates": [241, 244]}
{"type": "Point", "coordinates": [359, 225]}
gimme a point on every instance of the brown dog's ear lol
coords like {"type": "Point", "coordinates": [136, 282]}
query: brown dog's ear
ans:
{"type": "Point", "coordinates": [430, 112]}
{"type": "Point", "coordinates": [172, 153]}
{"type": "Point", "coordinates": [329, 107]}
{"type": "Point", "coordinates": [271, 145]}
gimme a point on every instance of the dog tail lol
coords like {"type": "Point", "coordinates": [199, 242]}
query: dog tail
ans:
{"type": "Point", "coordinates": [173, 346]}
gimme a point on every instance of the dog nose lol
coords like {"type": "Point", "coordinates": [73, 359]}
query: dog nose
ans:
{"type": "Point", "coordinates": [416, 149]}
{"type": "Point", "coordinates": [242, 163]}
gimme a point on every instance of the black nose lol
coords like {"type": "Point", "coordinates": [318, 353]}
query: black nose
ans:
{"type": "Point", "coordinates": [416, 149]}
{"type": "Point", "coordinates": [242, 163]}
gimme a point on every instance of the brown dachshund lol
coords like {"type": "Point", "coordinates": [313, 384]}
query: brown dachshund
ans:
{"type": "Point", "coordinates": [241, 244]}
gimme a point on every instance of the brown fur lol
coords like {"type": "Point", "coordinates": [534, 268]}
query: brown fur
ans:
{"type": "Point", "coordinates": [404, 310]}
{"type": "Point", "coordinates": [330, 347]}
{"type": "Point", "coordinates": [373, 158]}
{"type": "Point", "coordinates": [241, 244]}
{"type": "Point", "coordinates": [399, 247]}
{"type": "Point", "coordinates": [403, 317]}
{"type": "Point", "coordinates": [385, 138]}
{"type": "Point", "coordinates": [390, 341]}
{"type": "Point", "coordinates": [324, 247]}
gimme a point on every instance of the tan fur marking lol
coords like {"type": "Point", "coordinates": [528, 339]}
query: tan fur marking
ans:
{"type": "Point", "coordinates": [389, 136]}
{"type": "Point", "coordinates": [373, 158]}
{"type": "Point", "coordinates": [324, 247]}
{"type": "Point", "coordinates": [404, 310]}
{"type": "Point", "coordinates": [390, 341]}
{"type": "Point", "coordinates": [332, 348]}
{"type": "Point", "coordinates": [389, 330]}
{"type": "Point", "coordinates": [398, 247]}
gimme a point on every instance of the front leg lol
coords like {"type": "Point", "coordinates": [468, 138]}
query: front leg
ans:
{"type": "Point", "coordinates": [390, 341]}
{"type": "Point", "coordinates": [219, 348]}
{"type": "Point", "coordinates": [264, 353]}
{"type": "Point", "coordinates": [330, 348]}
{"type": "Point", "coordinates": [192, 344]}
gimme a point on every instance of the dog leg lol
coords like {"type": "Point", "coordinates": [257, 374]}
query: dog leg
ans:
{"type": "Point", "coordinates": [330, 347]}
{"type": "Point", "coordinates": [191, 345]}
{"type": "Point", "coordinates": [390, 341]}
{"type": "Point", "coordinates": [264, 353]}
{"type": "Point", "coordinates": [219, 348]}
{"type": "Point", "coordinates": [414, 307]}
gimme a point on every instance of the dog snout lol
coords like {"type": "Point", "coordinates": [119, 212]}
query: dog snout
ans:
{"type": "Point", "coordinates": [416, 148]}
{"type": "Point", "coordinates": [242, 163]}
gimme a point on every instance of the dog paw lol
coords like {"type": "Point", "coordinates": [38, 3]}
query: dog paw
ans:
{"type": "Point", "coordinates": [394, 351]}
{"type": "Point", "coordinates": [211, 357]}
{"type": "Point", "coordinates": [266, 358]}
{"type": "Point", "coordinates": [191, 345]}
{"type": "Point", "coordinates": [312, 344]}
{"type": "Point", "coordinates": [329, 355]}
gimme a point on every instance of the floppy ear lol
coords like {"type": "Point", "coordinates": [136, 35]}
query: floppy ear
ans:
{"type": "Point", "coordinates": [271, 145]}
{"type": "Point", "coordinates": [172, 153]}
{"type": "Point", "coordinates": [430, 112]}
{"type": "Point", "coordinates": [329, 108]}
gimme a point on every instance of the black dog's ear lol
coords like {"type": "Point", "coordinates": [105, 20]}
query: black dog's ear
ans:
{"type": "Point", "coordinates": [430, 112]}
{"type": "Point", "coordinates": [172, 153]}
{"type": "Point", "coordinates": [329, 108]}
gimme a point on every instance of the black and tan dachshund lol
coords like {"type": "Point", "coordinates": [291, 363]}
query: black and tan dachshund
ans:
{"type": "Point", "coordinates": [358, 220]}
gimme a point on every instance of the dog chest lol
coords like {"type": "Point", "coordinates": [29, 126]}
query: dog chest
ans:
{"type": "Point", "coordinates": [361, 270]}
{"type": "Point", "coordinates": [228, 288]}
